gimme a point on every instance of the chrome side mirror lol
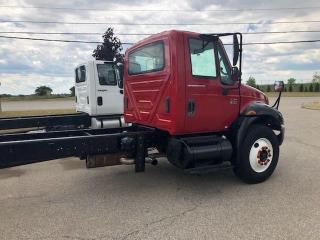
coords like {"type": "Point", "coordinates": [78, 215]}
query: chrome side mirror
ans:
{"type": "Point", "coordinates": [236, 50]}
{"type": "Point", "coordinates": [278, 86]}
{"type": "Point", "coordinates": [120, 69]}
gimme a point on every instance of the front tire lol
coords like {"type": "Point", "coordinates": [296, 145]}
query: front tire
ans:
{"type": "Point", "coordinates": [258, 155]}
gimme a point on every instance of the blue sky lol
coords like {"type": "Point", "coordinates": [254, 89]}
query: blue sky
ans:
{"type": "Point", "coordinates": [24, 65]}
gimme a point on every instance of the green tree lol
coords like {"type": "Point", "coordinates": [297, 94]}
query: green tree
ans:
{"type": "Point", "coordinates": [311, 87]}
{"type": "Point", "coordinates": [301, 88]}
{"type": "Point", "coordinates": [43, 91]}
{"type": "Point", "coordinates": [316, 77]}
{"type": "Point", "coordinates": [251, 81]}
{"type": "Point", "coordinates": [306, 89]}
{"type": "Point", "coordinates": [317, 87]}
{"type": "Point", "coordinates": [110, 49]}
{"type": "Point", "coordinates": [291, 82]}
{"type": "Point", "coordinates": [72, 91]}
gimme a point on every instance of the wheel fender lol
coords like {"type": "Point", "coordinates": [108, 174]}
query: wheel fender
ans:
{"type": "Point", "coordinates": [258, 109]}
{"type": "Point", "coordinates": [258, 113]}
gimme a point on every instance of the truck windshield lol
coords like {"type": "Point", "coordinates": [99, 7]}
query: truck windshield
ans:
{"type": "Point", "coordinates": [106, 74]}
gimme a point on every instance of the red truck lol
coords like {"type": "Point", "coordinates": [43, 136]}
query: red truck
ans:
{"type": "Point", "coordinates": [184, 98]}
{"type": "Point", "coordinates": [183, 84]}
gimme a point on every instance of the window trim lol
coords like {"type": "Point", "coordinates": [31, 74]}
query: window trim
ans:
{"type": "Point", "coordinates": [147, 45]}
{"type": "Point", "coordinates": [221, 46]}
{"type": "Point", "coordinates": [114, 69]}
{"type": "Point", "coordinates": [215, 60]}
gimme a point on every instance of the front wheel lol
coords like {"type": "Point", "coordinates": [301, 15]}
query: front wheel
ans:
{"type": "Point", "coordinates": [258, 155]}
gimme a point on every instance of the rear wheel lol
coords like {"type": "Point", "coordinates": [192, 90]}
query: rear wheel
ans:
{"type": "Point", "coordinates": [258, 155]}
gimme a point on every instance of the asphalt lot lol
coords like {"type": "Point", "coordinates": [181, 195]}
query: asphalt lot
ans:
{"type": "Point", "coordinates": [63, 200]}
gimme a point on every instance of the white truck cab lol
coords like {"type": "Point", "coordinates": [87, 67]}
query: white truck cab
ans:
{"type": "Point", "coordinates": [99, 94]}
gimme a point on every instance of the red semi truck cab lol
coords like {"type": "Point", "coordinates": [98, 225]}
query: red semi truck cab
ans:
{"type": "Point", "coordinates": [183, 85]}
{"type": "Point", "coordinates": [172, 84]}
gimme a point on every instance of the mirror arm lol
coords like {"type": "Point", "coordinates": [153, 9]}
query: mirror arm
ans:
{"type": "Point", "coordinates": [277, 102]}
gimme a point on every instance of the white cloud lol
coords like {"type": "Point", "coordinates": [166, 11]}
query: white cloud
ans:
{"type": "Point", "coordinates": [24, 65]}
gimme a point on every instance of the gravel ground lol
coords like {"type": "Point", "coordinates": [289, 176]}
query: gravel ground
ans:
{"type": "Point", "coordinates": [63, 200]}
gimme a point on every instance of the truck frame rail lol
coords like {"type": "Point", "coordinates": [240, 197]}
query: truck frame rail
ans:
{"type": "Point", "coordinates": [76, 119]}
{"type": "Point", "coordinates": [26, 148]}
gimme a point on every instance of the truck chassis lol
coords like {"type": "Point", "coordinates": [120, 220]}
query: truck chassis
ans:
{"type": "Point", "coordinates": [25, 148]}
{"type": "Point", "coordinates": [76, 120]}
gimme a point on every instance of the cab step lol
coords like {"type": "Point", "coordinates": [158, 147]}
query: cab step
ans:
{"type": "Point", "coordinates": [209, 168]}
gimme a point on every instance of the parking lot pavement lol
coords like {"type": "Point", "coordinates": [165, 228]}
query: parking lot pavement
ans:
{"type": "Point", "coordinates": [63, 200]}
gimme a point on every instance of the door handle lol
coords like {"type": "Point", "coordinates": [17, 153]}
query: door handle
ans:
{"type": "Point", "coordinates": [121, 91]}
{"type": "Point", "coordinates": [191, 108]}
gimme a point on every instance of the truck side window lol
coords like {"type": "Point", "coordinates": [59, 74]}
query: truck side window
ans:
{"type": "Point", "coordinates": [225, 69]}
{"type": "Point", "coordinates": [202, 58]}
{"type": "Point", "coordinates": [148, 58]}
{"type": "Point", "coordinates": [80, 74]}
{"type": "Point", "coordinates": [106, 74]}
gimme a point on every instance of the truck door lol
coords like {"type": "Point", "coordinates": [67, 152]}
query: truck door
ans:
{"type": "Point", "coordinates": [109, 97]}
{"type": "Point", "coordinates": [212, 98]}
{"type": "Point", "coordinates": [81, 89]}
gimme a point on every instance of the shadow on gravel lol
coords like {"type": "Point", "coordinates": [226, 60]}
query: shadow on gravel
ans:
{"type": "Point", "coordinates": [72, 164]}
{"type": "Point", "coordinates": [161, 179]}
{"type": "Point", "coordinates": [9, 173]}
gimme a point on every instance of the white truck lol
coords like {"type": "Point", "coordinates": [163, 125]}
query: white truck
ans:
{"type": "Point", "coordinates": [99, 102]}
{"type": "Point", "coordinates": [99, 93]}
{"type": "Point", "coordinates": [99, 105]}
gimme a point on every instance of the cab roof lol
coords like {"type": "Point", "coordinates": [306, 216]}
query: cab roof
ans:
{"type": "Point", "coordinates": [157, 36]}
{"type": "Point", "coordinates": [93, 61]}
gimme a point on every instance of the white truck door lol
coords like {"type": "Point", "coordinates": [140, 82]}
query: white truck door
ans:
{"type": "Point", "coordinates": [108, 97]}
{"type": "Point", "coordinates": [82, 89]}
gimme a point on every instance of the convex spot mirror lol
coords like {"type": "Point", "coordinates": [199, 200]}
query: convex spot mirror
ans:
{"type": "Point", "coordinates": [278, 86]}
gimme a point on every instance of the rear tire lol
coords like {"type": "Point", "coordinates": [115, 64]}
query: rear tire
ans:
{"type": "Point", "coordinates": [258, 155]}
